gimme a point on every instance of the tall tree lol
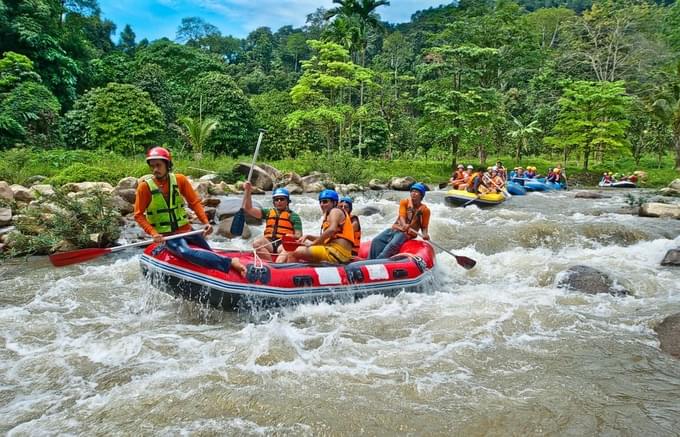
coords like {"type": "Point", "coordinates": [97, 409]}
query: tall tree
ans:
{"type": "Point", "coordinates": [363, 12]}
{"type": "Point", "coordinates": [127, 43]}
{"type": "Point", "coordinates": [667, 109]}
{"type": "Point", "coordinates": [593, 119]}
{"type": "Point", "coordinates": [192, 29]}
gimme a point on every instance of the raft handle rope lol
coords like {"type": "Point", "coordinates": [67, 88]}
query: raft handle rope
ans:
{"type": "Point", "coordinates": [257, 261]}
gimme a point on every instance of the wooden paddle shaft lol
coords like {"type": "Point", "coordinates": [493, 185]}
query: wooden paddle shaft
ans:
{"type": "Point", "coordinates": [257, 151]}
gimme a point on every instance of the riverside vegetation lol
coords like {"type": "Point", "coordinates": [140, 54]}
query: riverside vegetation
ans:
{"type": "Point", "coordinates": [346, 94]}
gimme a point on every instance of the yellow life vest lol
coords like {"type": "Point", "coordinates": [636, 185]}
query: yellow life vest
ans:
{"type": "Point", "coordinates": [166, 215]}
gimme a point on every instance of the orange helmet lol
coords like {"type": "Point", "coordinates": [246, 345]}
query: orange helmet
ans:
{"type": "Point", "coordinates": [159, 153]}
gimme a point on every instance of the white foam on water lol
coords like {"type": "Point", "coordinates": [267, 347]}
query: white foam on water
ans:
{"type": "Point", "coordinates": [96, 349]}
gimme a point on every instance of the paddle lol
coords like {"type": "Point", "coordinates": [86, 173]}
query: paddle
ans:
{"type": "Point", "coordinates": [470, 201]}
{"type": "Point", "coordinates": [239, 219]}
{"type": "Point", "coordinates": [463, 261]}
{"type": "Point", "coordinates": [503, 190]}
{"type": "Point", "coordinates": [77, 256]}
{"type": "Point", "coordinates": [290, 243]}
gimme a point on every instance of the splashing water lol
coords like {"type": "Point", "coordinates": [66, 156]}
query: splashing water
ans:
{"type": "Point", "coordinates": [497, 350]}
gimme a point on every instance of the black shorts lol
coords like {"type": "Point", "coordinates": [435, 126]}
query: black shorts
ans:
{"type": "Point", "coordinates": [275, 244]}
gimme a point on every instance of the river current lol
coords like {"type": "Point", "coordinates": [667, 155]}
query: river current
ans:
{"type": "Point", "coordinates": [497, 350]}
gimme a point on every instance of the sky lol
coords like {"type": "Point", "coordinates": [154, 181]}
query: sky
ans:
{"type": "Point", "coordinates": [153, 19]}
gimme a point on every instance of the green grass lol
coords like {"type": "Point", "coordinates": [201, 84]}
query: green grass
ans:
{"type": "Point", "coordinates": [61, 166]}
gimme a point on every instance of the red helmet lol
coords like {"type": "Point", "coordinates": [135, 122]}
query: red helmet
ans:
{"type": "Point", "coordinates": [158, 153]}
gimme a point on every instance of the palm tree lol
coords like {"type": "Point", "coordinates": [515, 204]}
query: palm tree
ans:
{"type": "Point", "coordinates": [522, 134]}
{"type": "Point", "coordinates": [198, 131]}
{"type": "Point", "coordinates": [363, 11]}
{"type": "Point", "coordinates": [667, 110]}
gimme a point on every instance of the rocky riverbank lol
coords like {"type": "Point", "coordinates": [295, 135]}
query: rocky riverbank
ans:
{"type": "Point", "coordinates": [17, 201]}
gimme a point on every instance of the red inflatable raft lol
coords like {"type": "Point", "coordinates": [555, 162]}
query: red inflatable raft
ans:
{"type": "Point", "coordinates": [273, 284]}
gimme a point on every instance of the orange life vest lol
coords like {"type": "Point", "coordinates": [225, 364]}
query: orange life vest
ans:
{"type": "Point", "coordinates": [413, 217]}
{"type": "Point", "coordinates": [357, 236]}
{"type": "Point", "coordinates": [346, 231]}
{"type": "Point", "coordinates": [278, 224]}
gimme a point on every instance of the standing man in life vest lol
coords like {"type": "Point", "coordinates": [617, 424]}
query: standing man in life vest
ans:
{"type": "Point", "coordinates": [414, 216]}
{"type": "Point", "coordinates": [346, 205]}
{"type": "Point", "coordinates": [279, 221]}
{"type": "Point", "coordinates": [159, 210]}
{"type": "Point", "coordinates": [334, 244]}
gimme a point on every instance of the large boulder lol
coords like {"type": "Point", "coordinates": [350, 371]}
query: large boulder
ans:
{"type": "Point", "coordinates": [5, 216]}
{"type": "Point", "coordinates": [203, 188]}
{"type": "Point", "coordinates": [672, 258]}
{"type": "Point", "coordinates": [375, 184]}
{"type": "Point", "coordinates": [669, 335]}
{"type": "Point", "coordinates": [6, 192]}
{"type": "Point", "coordinates": [314, 187]}
{"type": "Point", "coordinates": [673, 189]}
{"type": "Point", "coordinates": [669, 192]}
{"type": "Point", "coordinates": [211, 177]}
{"type": "Point", "coordinates": [295, 189]}
{"type": "Point", "coordinates": [129, 194]}
{"type": "Point", "coordinates": [122, 205]}
{"type": "Point", "coordinates": [128, 183]}
{"type": "Point", "coordinates": [315, 177]}
{"type": "Point", "coordinates": [260, 178]}
{"type": "Point", "coordinates": [289, 178]}
{"type": "Point", "coordinates": [211, 202]}
{"type": "Point", "coordinates": [368, 210]}
{"type": "Point", "coordinates": [42, 190]}
{"type": "Point", "coordinates": [224, 229]}
{"type": "Point", "coordinates": [239, 188]}
{"type": "Point", "coordinates": [222, 189]}
{"type": "Point", "coordinates": [231, 205]}
{"type": "Point", "coordinates": [81, 187]}
{"type": "Point", "coordinates": [589, 195]}
{"type": "Point", "coordinates": [401, 184]}
{"type": "Point", "coordinates": [590, 281]}
{"type": "Point", "coordinates": [654, 209]}
{"type": "Point", "coordinates": [349, 188]}
{"type": "Point", "coordinates": [273, 172]}
{"type": "Point", "coordinates": [21, 193]}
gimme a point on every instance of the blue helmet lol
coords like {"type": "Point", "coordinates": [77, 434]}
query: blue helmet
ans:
{"type": "Point", "coordinates": [329, 194]}
{"type": "Point", "coordinates": [281, 192]}
{"type": "Point", "coordinates": [420, 187]}
{"type": "Point", "coordinates": [348, 200]}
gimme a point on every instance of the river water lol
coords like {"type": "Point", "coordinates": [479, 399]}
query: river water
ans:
{"type": "Point", "coordinates": [497, 350]}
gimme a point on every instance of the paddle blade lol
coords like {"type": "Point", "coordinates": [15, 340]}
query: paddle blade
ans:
{"type": "Point", "coordinates": [77, 256]}
{"type": "Point", "coordinates": [465, 262]}
{"type": "Point", "coordinates": [289, 243]}
{"type": "Point", "coordinates": [238, 222]}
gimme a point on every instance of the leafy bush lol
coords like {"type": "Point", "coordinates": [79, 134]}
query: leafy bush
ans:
{"type": "Point", "coordinates": [85, 173]}
{"type": "Point", "coordinates": [119, 117]}
{"type": "Point", "coordinates": [42, 228]}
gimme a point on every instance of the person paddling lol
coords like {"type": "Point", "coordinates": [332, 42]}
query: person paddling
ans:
{"type": "Point", "coordinates": [280, 221]}
{"type": "Point", "coordinates": [413, 216]}
{"type": "Point", "coordinates": [159, 211]}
